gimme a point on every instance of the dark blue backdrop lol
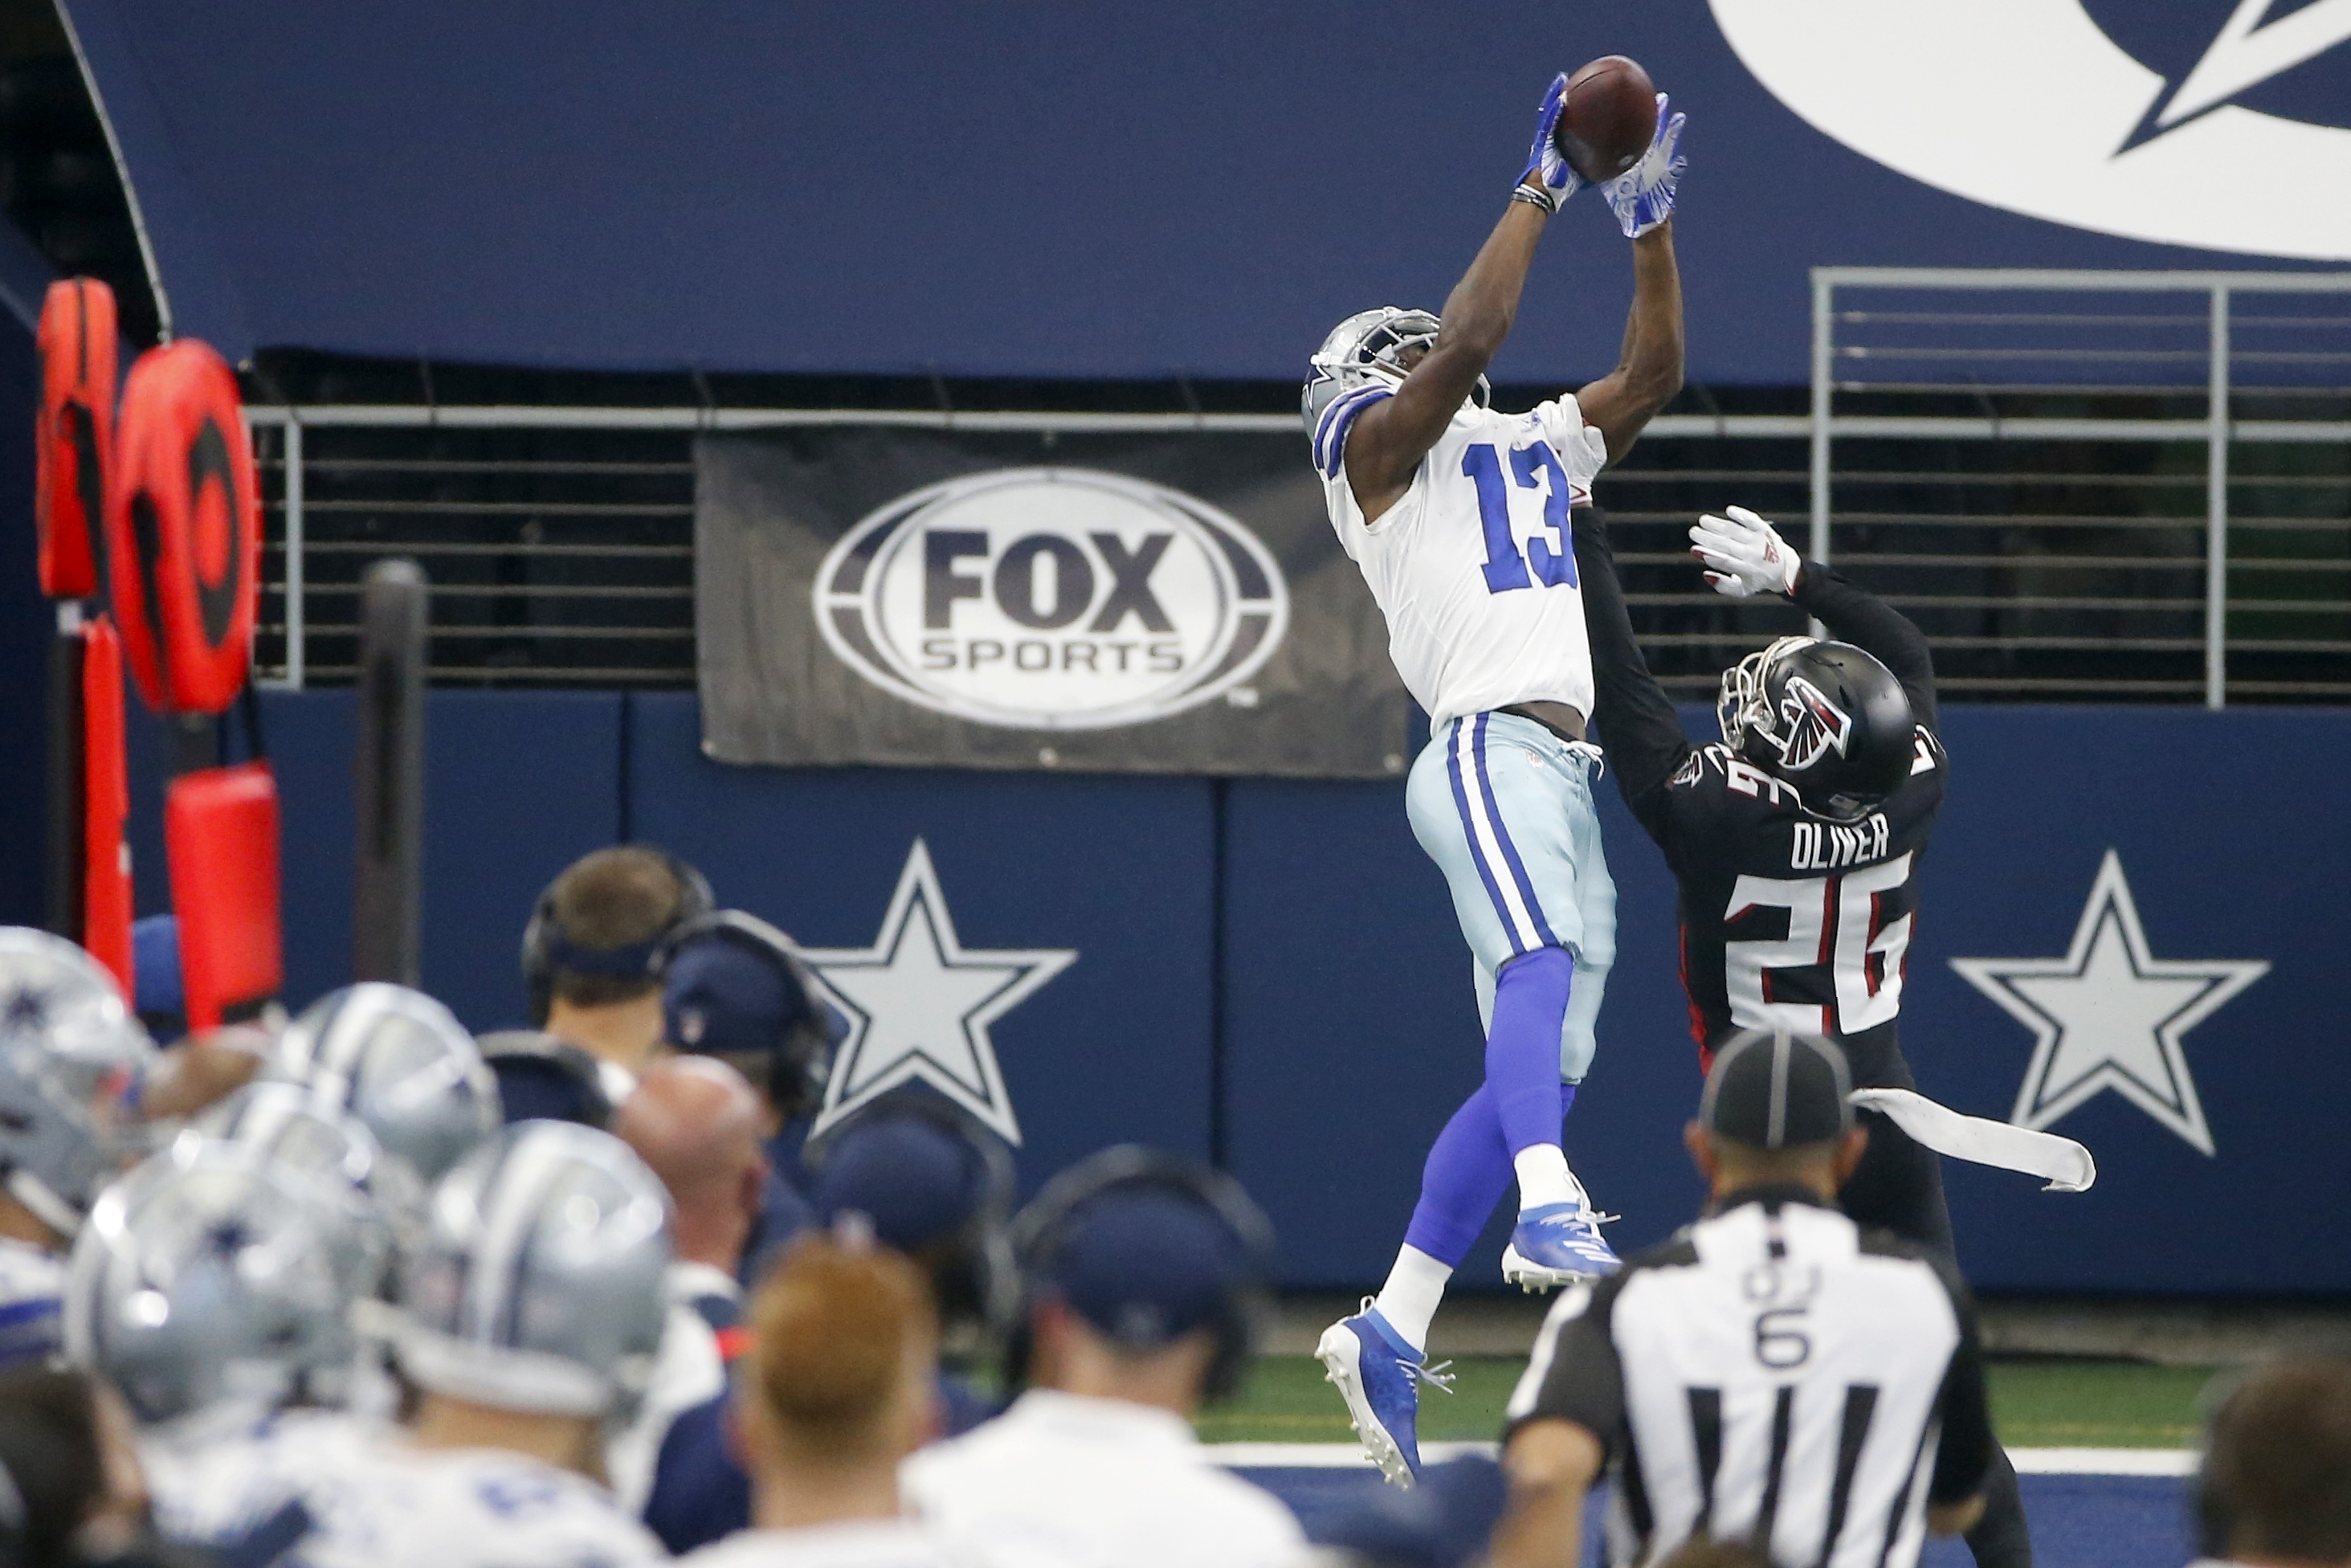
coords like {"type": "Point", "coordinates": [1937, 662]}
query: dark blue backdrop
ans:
{"type": "Point", "coordinates": [1268, 970]}
{"type": "Point", "coordinates": [1041, 188]}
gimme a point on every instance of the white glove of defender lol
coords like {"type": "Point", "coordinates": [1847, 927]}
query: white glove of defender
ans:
{"type": "Point", "coordinates": [1743, 555]}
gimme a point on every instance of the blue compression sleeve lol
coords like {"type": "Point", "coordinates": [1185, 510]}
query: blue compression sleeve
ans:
{"type": "Point", "coordinates": [1522, 1045]}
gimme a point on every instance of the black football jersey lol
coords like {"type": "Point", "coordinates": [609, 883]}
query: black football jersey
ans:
{"type": "Point", "coordinates": [1788, 920]}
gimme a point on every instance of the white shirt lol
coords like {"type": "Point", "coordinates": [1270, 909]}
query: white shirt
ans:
{"type": "Point", "coordinates": [1475, 568]}
{"type": "Point", "coordinates": [32, 1282]}
{"type": "Point", "coordinates": [688, 1371]}
{"type": "Point", "coordinates": [390, 1504]}
{"type": "Point", "coordinates": [860, 1544]}
{"type": "Point", "coordinates": [1073, 1482]}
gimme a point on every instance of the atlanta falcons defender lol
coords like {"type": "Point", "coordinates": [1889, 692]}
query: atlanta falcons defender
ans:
{"type": "Point", "coordinates": [1457, 516]}
{"type": "Point", "coordinates": [1795, 841]}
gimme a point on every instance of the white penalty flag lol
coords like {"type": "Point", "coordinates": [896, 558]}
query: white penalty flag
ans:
{"type": "Point", "coordinates": [2063, 1164]}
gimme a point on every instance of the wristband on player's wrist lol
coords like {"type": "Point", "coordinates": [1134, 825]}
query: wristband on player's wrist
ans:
{"type": "Point", "coordinates": [1535, 197]}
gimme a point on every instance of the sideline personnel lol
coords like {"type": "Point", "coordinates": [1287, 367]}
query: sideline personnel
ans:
{"type": "Point", "coordinates": [588, 953]}
{"type": "Point", "coordinates": [2276, 1485]}
{"type": "Point", "coordinates": [1772, 1374]}
{"type": "Point", "coordinates": [1144, 1273]}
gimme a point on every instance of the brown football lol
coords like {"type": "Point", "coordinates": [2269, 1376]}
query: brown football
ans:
{"type": "Point", "coordinates": [1608, 119]}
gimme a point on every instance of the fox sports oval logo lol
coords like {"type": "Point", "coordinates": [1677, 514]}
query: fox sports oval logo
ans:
{"type": "Point", "coordinates": [1052, 599]}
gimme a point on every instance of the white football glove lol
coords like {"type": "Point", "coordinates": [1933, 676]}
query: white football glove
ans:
{"type": "Point", "coordinates": [1743, 555]}
{"type": "Point", "coordinates": [1546, 170]}
{"type": "Point", "coordinates": [1642, 197]}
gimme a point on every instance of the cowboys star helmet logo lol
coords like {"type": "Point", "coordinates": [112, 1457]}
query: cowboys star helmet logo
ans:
{"type": "Point", "coordinates": [1812, 726]}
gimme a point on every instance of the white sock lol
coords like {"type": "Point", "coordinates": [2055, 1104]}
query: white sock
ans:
{"type": "Point", "coordinates": [1408, 1301]}
{"type": "Point", "coordinates": [1543, 1176]}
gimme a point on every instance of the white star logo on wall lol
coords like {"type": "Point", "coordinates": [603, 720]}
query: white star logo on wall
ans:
{"type": "Point", "coordinates": [919, 1004]}
{"type": "Point", "coordinates": [2110, 1015]}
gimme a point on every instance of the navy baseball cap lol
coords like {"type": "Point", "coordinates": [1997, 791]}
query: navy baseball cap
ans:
{"type": "Point", "coordinates": [1778, 1091]}
{"type": "Point", "coordinates": [908, 1174]}
{"type": "Point", "coordinates": [1147, 1264]}
{"type": "Point", "coordinates": [720, 998]}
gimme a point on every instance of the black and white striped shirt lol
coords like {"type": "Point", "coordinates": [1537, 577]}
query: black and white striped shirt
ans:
{"type": "Point", "coordinates": [1772, 1374]}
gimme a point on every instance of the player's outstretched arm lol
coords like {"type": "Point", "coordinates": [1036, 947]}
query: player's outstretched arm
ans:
{"type": "Point", "coordinates": [1649, 368]}
{"type": "Point", "coordinates": [1639, 730]}
{"type": "Point", "coordinates": [1744, 555]}
{"type": "Point", "coordinates": [1390, 438]}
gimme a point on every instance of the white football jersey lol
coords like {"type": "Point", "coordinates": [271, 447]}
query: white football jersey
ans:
{"type": "Point", "coordinates": [216, 1479]}
{"type": "Point", "coordinates": [32, 1282]}
{"type": "Point", "coordinates": [1475, 568]}
{"type": "Point", "coordinates": [851, 1543]}
{"type": "Point", "coordinates": [377, 1500]}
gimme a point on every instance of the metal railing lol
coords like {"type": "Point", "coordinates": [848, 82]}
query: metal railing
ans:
{"type": "Point", "coordinates": [2046, 487]}
{"type": "Point", "coordinates": [2056, 337]}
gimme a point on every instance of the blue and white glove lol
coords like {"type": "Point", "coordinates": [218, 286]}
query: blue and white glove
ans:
{"type": "Point", "coordinates": [1642, 197]}
{"type": "Point", "coordinates": [1743, 555]}
{"type": "Point", "coordinates": [1546, 170]}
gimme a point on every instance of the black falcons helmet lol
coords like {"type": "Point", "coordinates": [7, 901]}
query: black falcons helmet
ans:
{"type": "Point", "coordinates": [1826, 717]}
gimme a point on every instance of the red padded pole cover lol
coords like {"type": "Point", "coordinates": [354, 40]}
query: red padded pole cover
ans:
{"type": "Point", "coordinates": [73, 432]}
{"type": "Point", "coordinates": [220, 833]}
{"type": "Point", "coordinates": [106, 861]}
{"type": "Point", "coordinates": [183, 529]}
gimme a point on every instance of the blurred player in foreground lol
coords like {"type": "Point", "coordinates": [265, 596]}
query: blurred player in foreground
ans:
{"type": "Point", "coordinates": [1795, 841]}
{"type": "Point", "coordinates": [1458, 516]}
{"type": "Point", "coordinates": [839, 1392]}
{"type": "Point", "coordinates": [70, 1051]}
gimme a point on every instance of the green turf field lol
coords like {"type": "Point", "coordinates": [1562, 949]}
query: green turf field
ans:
{"type": "Point", "coordinates": [2037, 1404]}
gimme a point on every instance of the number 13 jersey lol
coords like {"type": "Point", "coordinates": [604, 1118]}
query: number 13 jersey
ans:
{"type": "Point", "coordinates": [1475, 567]}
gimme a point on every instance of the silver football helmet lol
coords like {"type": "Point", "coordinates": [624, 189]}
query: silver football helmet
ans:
{"type": "Point", "coordinates": [1367, 350]}
{"type": "Point", "coordinates": [538, 1285]}
{"type": "Point", "coordinates": [210, 1277]}
{"type": "Point", "coordinates": [70, 1051]}
{"type": "Point", "coordinates": [297, 1131]}
{"type": "Point", "coordinates": [400, 1064]}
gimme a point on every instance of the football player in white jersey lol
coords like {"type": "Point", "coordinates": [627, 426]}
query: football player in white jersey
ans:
{"type": "Point", "coordinates": [1457, 516]}
{"type": "Point", "coordinates": [70, 1053]}
{"type": "Point", "coordinates": [531, 1311]}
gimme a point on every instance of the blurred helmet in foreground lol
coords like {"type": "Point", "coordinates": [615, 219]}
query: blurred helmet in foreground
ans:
{"type": "Point", "coordinates": [400, 1064]}
{"type": "Point", "coordinates": [210, 1276]}
{"type": "Point", "coordinates": [539, 1284]}
{"type": "Point", "coordinates": [70, 1051]}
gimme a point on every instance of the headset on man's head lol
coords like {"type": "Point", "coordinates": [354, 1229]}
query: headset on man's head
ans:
{"type": "Point", "coordinates": [1040, 1231]}
{"type": "Point", "coordinates": [800, 1062]}
{"type": "Point", "coordinates": [984, 1277]}
{"type": "Point", "coordinates": [547, 948]}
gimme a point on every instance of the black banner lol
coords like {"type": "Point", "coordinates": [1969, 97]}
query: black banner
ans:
{"type": "Point", "coordinates": [1151, 604]}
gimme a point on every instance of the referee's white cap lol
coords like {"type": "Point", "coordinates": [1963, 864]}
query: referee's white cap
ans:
{"type": "Point", "coordinates": [1773, 1090]}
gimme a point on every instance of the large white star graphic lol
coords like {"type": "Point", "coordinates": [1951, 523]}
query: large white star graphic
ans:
{"type": "Point", "coordinates": [2249, 51]}
{"type": "Point", "coordinates": [919, 1003]}
{"type": "Point", "coordinates": [2110, 1015]}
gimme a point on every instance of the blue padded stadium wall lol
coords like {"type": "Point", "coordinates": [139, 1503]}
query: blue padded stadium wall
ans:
{"type": "Point", "coordinates": [1268, 973]}
{"type": "Point", "coordinates": [26, 624]}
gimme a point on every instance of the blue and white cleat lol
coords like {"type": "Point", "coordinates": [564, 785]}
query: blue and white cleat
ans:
{"type": "Point", "coordinates": [1376, 1372]}
{"type": "Point", "coordinates": [1558, 1244]}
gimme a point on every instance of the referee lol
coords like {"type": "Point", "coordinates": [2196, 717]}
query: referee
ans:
{"type": "Point", "coordinates": [1772, 1375]}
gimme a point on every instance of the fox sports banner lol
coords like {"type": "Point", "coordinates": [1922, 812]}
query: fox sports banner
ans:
{"type": "Point", "coordinates": [1157, 603]}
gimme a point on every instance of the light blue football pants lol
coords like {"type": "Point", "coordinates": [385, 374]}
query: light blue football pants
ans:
{"type": "Point", "coordinates": [1504, 808]}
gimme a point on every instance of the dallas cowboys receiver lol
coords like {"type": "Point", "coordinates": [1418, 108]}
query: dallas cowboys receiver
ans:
{"type": "Point", "coordinates": [1795, 841]}
{"type": "Point", "coordinates": [1457, 516]}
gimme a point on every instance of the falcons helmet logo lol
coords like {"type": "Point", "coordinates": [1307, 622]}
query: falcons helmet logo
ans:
{"type": "Point", "coordinates": [1810, 726]}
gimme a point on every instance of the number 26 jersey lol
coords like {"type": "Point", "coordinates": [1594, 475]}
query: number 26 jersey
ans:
{"type": "Point", "coordinates": [1475, 567]}
{"type": "Point", "coordinates": [1790, 921]}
